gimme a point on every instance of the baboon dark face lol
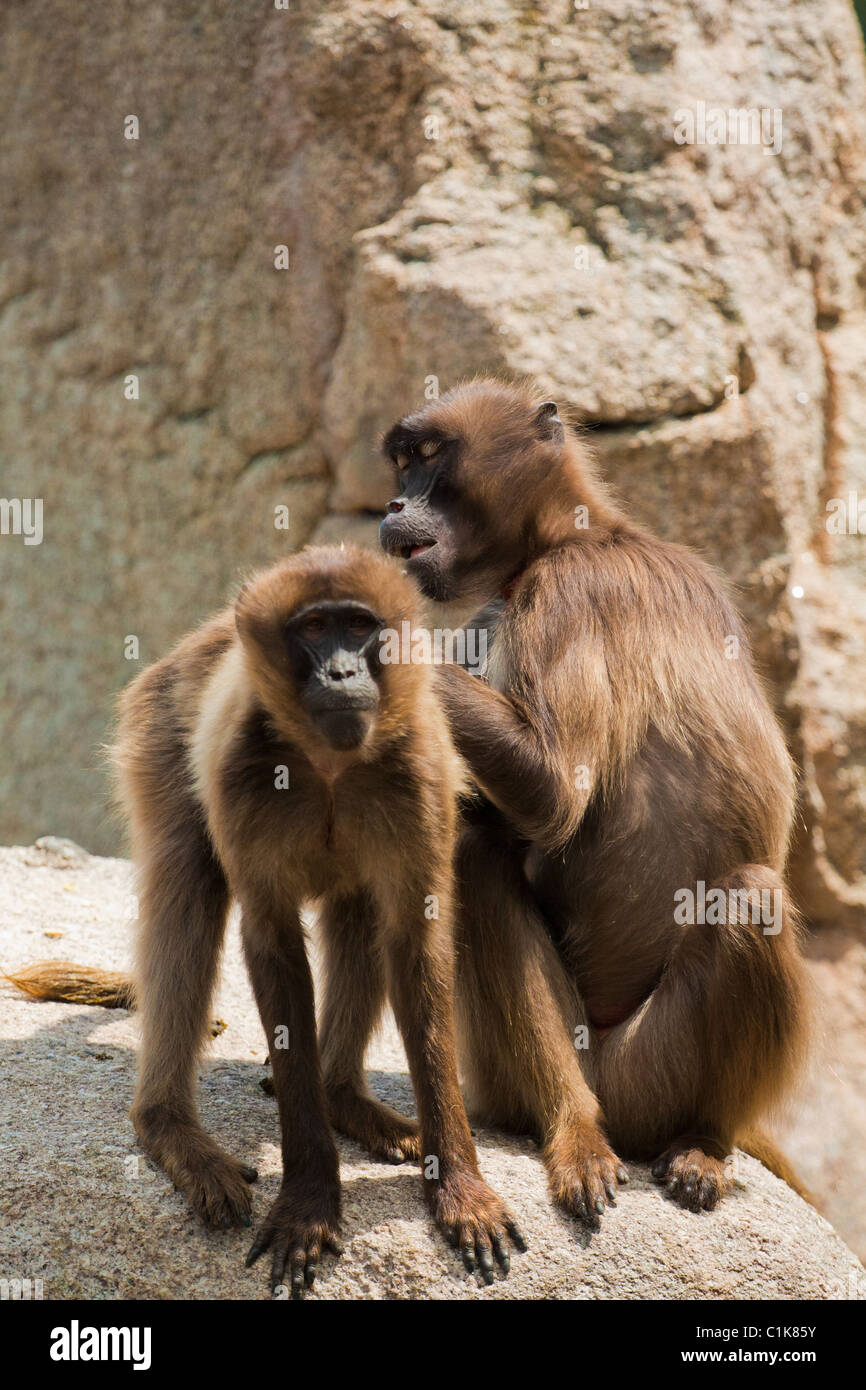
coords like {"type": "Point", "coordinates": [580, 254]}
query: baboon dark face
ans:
{"type": "Point", "coordinates": [422, 524]}
{"type": "Point", "coordinates": [472, 469]}
{"type": "Point", "coordinates": [333, 654]}
{"type": "Point", "coordinates": [310, 631]}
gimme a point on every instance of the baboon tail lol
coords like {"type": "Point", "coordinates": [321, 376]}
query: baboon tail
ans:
{"type": "Point", "coordinates": [760, 1146]}
{"type": "Point", "coordinates": [75, 984]}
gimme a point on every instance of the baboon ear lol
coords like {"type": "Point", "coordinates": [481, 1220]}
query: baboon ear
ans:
{"type": "Point", "coordinates": [547, 422]}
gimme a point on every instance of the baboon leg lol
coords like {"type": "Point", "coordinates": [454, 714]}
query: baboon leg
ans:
{"type": "Point", "coordinates": [183, 900]}
{"type": "Point", "coordinates": [305, 1217]}
{"type": "Point", "coordinates": [517, 1011]}
{"type": "Point", "coordinates": [354, 998]}
{"type": "Point", "coordinates": [713, 1046]}
{"type": "Point", "coordinates": [420, 972]}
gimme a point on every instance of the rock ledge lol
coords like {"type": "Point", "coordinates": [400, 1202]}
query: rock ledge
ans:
{"type": "Point", "coordinates": [85, 1213]}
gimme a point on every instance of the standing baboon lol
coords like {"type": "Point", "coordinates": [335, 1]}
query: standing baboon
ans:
{"type": "Point", "coordinates": [274, 759]}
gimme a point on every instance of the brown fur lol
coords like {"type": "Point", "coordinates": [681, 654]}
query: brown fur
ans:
{"type": "Point", "coordinates": [75, 984]}
{"type": "Point", "coordinates": [370, 834]}
{"type": "Point", "coordinates": [623, 757]}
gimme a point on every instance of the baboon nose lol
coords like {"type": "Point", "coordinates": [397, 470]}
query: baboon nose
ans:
{"type": "Point", "coordinates": [397, 505]}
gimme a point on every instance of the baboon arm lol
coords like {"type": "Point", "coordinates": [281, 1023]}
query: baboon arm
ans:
{"type": "Point", "coordinates": [508, 758]}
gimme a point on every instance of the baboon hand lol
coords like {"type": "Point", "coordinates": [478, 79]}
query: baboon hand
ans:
{"type": "Point", "coordinates": [584, 1172]}
{"type": "Point", "coordinates": [475, 1221]}
{"type": "Point", "coordinates": [299, 1226]}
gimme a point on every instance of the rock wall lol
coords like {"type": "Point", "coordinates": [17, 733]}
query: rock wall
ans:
{"type": "Point", "coordinates": [461, 186]}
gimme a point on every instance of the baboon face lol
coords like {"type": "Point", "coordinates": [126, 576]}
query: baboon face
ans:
{"type": "Point", "coordinates": [310, 630]}
{"type": "Point", "coordinates": [333, 655]}
{"type": "Point", "coordinates": [471, 469]}
{"type": "Point", "coordinates": [424, 523]}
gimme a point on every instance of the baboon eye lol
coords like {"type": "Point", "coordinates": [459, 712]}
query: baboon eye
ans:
{"type": "Point", "coordinates": [361, 625]}
{"type": "Point", "coordinates": [429, 447]}
{"type": "Point", "coordinates": [313, 628]}
{"type": "Point", "coordinates": [401, 462]}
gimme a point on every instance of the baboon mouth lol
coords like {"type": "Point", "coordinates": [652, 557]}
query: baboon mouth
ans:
{"type": "Point", "coordinates": [346, 704]}
{"type": "Point", "coordinates": [410, 551]}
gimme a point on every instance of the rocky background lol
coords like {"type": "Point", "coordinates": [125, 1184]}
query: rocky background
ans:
{"type": "Point", "coordinates": [460, 186]}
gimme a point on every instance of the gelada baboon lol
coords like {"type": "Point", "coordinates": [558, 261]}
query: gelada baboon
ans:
{"type": "Point", "coordinates": [629, 761]}
{"type": "Point", "coordinates": [272, 758]}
